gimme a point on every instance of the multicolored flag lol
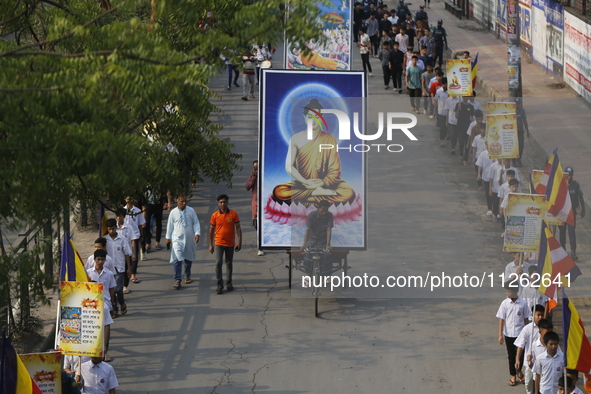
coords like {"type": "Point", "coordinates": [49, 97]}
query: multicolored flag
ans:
{"type": "Point", "coordinates": [577, 349]}
{"type": "Point", "coordinates": [553, 264]}
{"type": "Point", "coordinates": [14, 377]}
{"type": "Point", "coordinates": [71, 266]}
{"type": "Point", "coordinates": [554, 185]}
{"type": "Point", "coordinates": [474, 72]}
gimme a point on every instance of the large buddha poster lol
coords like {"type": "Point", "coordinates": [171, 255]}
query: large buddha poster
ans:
{"type": "Point", "coordinates": [310, 151]}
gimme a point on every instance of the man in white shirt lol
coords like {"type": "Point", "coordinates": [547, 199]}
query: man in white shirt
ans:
{"type": "Point", "coordinates": [515, 268]}
{"type": "Point", "coordinates": [100, 243]}
{"type": "Point", "coordinates": [98, 377]}
{"type": "Point", "coordinates": [118, 249]}
{"type": "Point", "coordinates": [402, 39]}
{"type": "Point", "coordinates": [484, 162]}
{"type": "Point", "coordinates": [439, 102]}
{"type": "Point", "coordinates": [125, 230]}
{"type": "Point", "coordinates": [452, 121]}
{"type": "Point", "coordinates": [393, 18]}
{"type": "Point", "coordinates": [134, 218]}
{"type": "Point", "coordinates": [513, 316]}
{"type": "Point", "coordinates": [494, 187]}
{"type": "Point", "coordinates": [524, 341]}
{"type": "Point", "coordinates": [548, 366]}
{"type": "Point", "coordinates": [182, 232]}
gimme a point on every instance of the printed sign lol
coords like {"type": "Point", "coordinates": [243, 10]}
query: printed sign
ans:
{"type": "Point", "coordinates": [525, 19]}
{"type": "Point", "coordinates": [302, 116]}
{"type": "Point", "coordinates": [459, 80]}
{"type": "Point", "coordinates": [501, 135]}
{"type": "Point", "coordinates": [46, 370]}
{"type": "Point", "coordinates": [577, 54]}
{"type": "Point", "coordinates": [523, 222]}
{"type": "Point", "coordinates": [81, 319]}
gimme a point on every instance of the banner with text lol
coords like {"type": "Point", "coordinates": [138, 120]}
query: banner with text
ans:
{"type": "Point", "coordinates": [81, 319]}
{"type": "Point", "coordinates": [45, 369]}
{"type": "Point", "coordinates": [577, 54]}
{"type": "Point", "coordinates": [523, 222]}
{"type": "Point", "coordinates": [501, 135]}
{"type": "Point", "coordinates": [459, 77]}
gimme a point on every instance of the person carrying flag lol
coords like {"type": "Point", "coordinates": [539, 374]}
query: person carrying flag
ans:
{"type": "Point", "coordinates": [576, 198]}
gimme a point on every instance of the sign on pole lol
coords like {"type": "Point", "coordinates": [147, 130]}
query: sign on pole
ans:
{"type": "Point", "coordinates": [523, 222]}
{"type": "Point", "coordinates": [459, 77]}
{"type": "Point", "coordinates": [45, 369]}
{"type": "Point", "coordinates": [501, 135]}
{"type": "Point", "coordinates": [81, 319]}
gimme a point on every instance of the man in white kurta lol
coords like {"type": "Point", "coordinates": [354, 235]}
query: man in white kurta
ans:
{"type": "Point", "coordinates": [182, 231]}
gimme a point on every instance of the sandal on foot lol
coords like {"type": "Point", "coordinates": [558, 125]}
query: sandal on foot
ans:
{"type": "Point", "coordinates": [512, 383]}
{"type": "Point", "coordinates": [188, 280]}
{"type": "Point", "coordinates": [107, 359]}
{"type": "Point", "coordinates": [123, 309]}
{"type": "Point", "coordinates": [158, 247]}
{"type": "Point", "coordinates": [177, 285]}
{"type": "Point", "coordinates": [135, 280]}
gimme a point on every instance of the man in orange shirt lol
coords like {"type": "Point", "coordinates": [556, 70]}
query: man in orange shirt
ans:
{"type": "Point", "coordinates": [225, 224]}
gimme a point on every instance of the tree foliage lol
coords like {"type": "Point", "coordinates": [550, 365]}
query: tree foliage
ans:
{"type": "Point", "coordinates": [100, 99]}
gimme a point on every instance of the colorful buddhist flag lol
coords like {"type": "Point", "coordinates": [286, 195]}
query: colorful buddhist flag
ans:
{"type": "Point", "coordinates": [577, 349]}
{"type": "Point", "coordinates": [71, 266]}
{"type": "Point", "coordinates": [474, 70]}
{"type": "Point", "coordinates": [553, 264]}
{"type": "Point", "coordinates": [14, 377]}
{"type": "Point", "coordinates": [554, 185]}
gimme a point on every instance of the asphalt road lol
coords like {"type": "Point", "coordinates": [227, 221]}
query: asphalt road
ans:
{"type": "Point", "coordinates": [425, 214]}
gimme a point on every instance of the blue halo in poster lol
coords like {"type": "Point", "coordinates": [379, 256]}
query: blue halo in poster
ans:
{"type": "Point", "coordinates": [294, 102]}
{"type": "Point", "coordinates": [299, 167]}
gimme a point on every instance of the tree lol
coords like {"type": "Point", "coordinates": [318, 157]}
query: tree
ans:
{"type": "Point", "coordinates": [101, 102]}
{"type": "Point", "coordinates": [99, 99]}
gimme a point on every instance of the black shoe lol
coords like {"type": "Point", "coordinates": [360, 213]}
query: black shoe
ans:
{"type": "Point", "coordinates": [235, 84]}
{"type": "Point", "coordinates": [574, 256]}
{"type": "Point", "coordinates": [220, 289]}
{"type": "Point", "coordinates": [229, 88]}
{"type": "Point", "coordinates": [244, 98]}
{"type": "Point", "coordinates": [229, 286]}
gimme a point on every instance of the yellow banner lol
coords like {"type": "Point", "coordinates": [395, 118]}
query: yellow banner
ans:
{"type": "Point", "coordinates": [459, 77]}
{"type": "Point", "coordinates": [501, 135]}
{"type": "Point", "coordinates": [536, 177]}
{"type": "Point", "coordinates": [499, 108]}
{"type": "Point", "coordinates": [523, 222]}
{"type": "Point", "coordinates": [81, 319]}
{"type": "Point", "coordinates": [45, 369]}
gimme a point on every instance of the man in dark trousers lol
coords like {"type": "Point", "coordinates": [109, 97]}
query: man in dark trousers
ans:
{"type": "Point", "coordinates": [577, 201]}
{"type": "Point", "coordinates": [440, 37]}
{"type": "Point", "coordinates": [396, 64]}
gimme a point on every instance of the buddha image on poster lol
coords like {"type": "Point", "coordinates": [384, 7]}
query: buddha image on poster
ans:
{"type": "Point", "coordinates": [300, 163]}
